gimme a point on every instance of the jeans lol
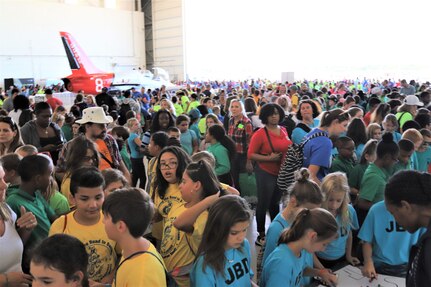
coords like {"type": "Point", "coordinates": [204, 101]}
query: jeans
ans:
{"type": "Point", "coordinates": [268, 197]}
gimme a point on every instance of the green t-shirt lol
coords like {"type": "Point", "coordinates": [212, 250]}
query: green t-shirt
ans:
{"type": "Point", "coordinates": [400, 166]}
{"type": "Point", "coordinates": [184, 101]}
{"type": "Point", "coordinates": [373, 183]}
{"type": "Point", "coordinates": [178, 109]}
{"type": "Point", "coordinates": [193, 105]}
{"type": "Point", "coordinates": [403, 117]}
{"type": "Point", "coordinates": [126, 157]}
{"type": "Point", "coordinates": [221, 156]}
{"type": "Point", "coordinates": [356, 175]}
{"type": "Point", "coordinates": [342, 164]}
{"type": "Point", "coordinates": [39, 207]}
{"type": "Point", "coordinates": [58, 202]}
{"type": "Point", "coordinates": [67, 131]}
{"type": "Point", "coordinates": [424, 159]}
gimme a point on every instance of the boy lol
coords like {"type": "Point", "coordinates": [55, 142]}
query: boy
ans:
{"type": "Point", "coordinates": [424, 152]}
{"type": "Point", "coordinates": [174, 132]}
{"type": "Point", "coordinates": [127, 214]}
{"type": "Point", "coordinates": [345, 160]}
{"type": "Point", "coordinates": [86, 223]}
{"type": "Point", "coordinates": [10, 163]}
{"type": "Point", "coordinates": [26, 150]}
{"type": "Point", "coordinates": [188, 138]}
{"type": "Point", "coordinates": [35, 172]}
{"type": "Point", "coordinates": [417, 139]}
{"type": "Point", "coordinates": [407, 148]}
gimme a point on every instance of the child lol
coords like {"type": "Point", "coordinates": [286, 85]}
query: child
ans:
{"type": "Point", "coordinates": [224, 255]}
{"type": "Point", "coordinates": [26, 150]}
{"type": "Point", "coordinates": [174, 132]}
{"type": "Point", "coordinates": [374, 131]}
{"type": "Point", "coordinates": [345, 160]}
{"type": "Point", "coordinates": [35, 172]}
{"type": "Point", "coordinates": [416, 137]}
{"type": "Point", "coordinates": [424, 152]}
{"type": "Point", "coordinates": [86, 223]}
{"type": "Point", "coordinates": [223, 149]}
{"type": "Point", "coordinates": [304, 193]}
{"type": "Point", "coordinates": [390, 125]}
{"type": "Point", "coordinates": [385, 244]}
{"type": "Point", "coordinates": [114, 179]}
{"type": "Point", "coordinates": [368, 156]}
{"type": "Point", "coordinates": [189, 139]}
{"type": "Point", "coordinates": [310, 232]}
{"type": "Point", "coordinates": [377, 174]}
{"type": "Point", "coordinates": [60, 260]}
{"type": "Point", "coordinates": [408, 198]}
{"type": "Point", "coordinates": [158, 141]}
{"type": "Point", "coordinates": [136, 153]}
{"type": "Point", "coordinates": [407, 148]}
{"type": "Point", "coordinates": [127, 214]}
{"type": "Point", "coordinates": [199, 189]}
{"type": "Point", "coordinates": [336, 189]}
{"type": "Point", "coordinates": [121, 134]}
{"type": "Point", "coordinates": [10, 163]}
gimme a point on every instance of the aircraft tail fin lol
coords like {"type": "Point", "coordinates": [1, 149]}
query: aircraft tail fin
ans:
{"type": "Point", "coordinates": [78, 60]}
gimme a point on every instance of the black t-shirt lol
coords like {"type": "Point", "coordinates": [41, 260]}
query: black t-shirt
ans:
{"type": "Point", "coordinates": [419, 268]}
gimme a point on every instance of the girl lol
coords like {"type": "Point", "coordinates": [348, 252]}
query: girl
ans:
{"type": "Point", "coordinates": [304, 194]}
{"type": "Point", "coordinates": [268, 147]}
{"type": "Point", "coordinates": [172, 161]}
{"type": "Point", "coordinates": [60, 260]}
{"type": "Point", "coordinates": [223, 149]}
{"type": "Point", "coordinates": [199, 189]}
{"type": "Point", "coordinates": [374, 132]}
{"type": "Point", "coordinates": [121, 134]}
{"type": "Point", "coordinates": [355, 177]}
{"type": "Point", "coordinates": [336, 189]}
{"type": "Point", "coordinates": [210, 120]}
{"type": "Point", "coordinates": [158, 141]}
{"type": "Point", "coordinates": [224, 255]}
{"type": "Point", "coordinates": [380, 113]}
{"type": "Point", "coordinates": [408, 199]}
{"type": "Point", "coordinates": [189, 139]}
{"type": "Point", "coordinates": [162, 121]}
{"type": "Point", "coordinates": [390, 125]}
{"type": "Point", "coordinates": [317, 151]}
{"type": "Point", "coordinates": [311, 231]}
{"type": "Point", "coordinates": [113, 180]}
{"type": "Point", "coordinates": [136, 153]}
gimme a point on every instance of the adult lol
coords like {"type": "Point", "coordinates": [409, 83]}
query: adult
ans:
{"type": "Point", "coordinates": [407, 89]}
{"type": "Point", "coordinates": [10, 137]}
{"type": "Point", "coordinates": [407, 111]}
{"type": "Point", "coordinates": [21, 112]}
{"type": "Point", "coordinates": [317, 151]}
{"type": "Point", "coordinates": [45, 135]}
{"type": "Point", "coordinates": [105, 99]}
{"type": "Point", "coordinates": [240, 130]}
{"type": "Point", "coordinates": [268, 147]}
{"type": "Point", "coordinates": [307, 115]}
{"type": "Point", "coordinates": [51, 100]}
{"type": "Point", "coordinates": [11, 245]}
{"type": "Point", "coordinates": [8, 102]}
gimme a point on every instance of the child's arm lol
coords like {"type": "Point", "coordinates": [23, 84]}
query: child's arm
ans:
{"type": "Point", "coordinates": [185, 220]}
{"type": "Point", "coordinates": [326, 275]}
{"type": "Point", "coordinates": [368, 270]}
{"type": "Point", "coordinates": [352, 260]}
{"type": "Point", "coordinates": [195, 144]}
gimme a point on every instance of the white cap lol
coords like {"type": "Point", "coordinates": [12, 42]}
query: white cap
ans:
{"type": "Point", "coordinates": [412, 100]}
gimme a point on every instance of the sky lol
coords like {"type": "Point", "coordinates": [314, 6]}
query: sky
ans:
{"type": "Point", "coordinates": [331, 39]}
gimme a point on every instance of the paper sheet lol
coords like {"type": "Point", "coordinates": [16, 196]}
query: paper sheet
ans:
{"type": "Point", "coordinates": [351, 276]}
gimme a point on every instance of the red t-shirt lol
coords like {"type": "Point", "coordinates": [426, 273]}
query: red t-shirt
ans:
{"type": "Point", "coordinates": [259, 144]}
{"type": "Point", "coordinates": [367, 119]}
{"type": "Point", "coordinates": [54, 102]}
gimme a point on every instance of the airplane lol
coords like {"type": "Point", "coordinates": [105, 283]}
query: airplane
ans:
{"type": "Point", "coordinates": [87, 77]}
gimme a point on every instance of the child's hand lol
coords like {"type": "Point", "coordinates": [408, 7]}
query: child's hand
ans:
{"type": "Point", "coordinates": [369, 271]}
{"type": "Point", "coordinates": [210, 200]}
{"type": "Point", "coordinates": [328, 277]}
{"type": "Point", "coordinates": [27, 220]}
{"type": "Point", "coordinates": [353, 260]}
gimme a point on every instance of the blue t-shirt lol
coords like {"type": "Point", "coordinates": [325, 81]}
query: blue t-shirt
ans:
{"type": "Point", "coordinates": [237, 273]}
{"type": "Point", "coordinates": [274, 231]}
{"type": "Point", "coordinates": [337, 248]}
{"type": "Point", "coordinates": [424, 159]}
{"type": "Point", "coordinates": [318, 152]}
{"type": "Point", "coordinates": [358, 151]}
{"type": "Point", "coordinates": [391, 243]}
{"type": "Point", "coordinates": [134, 148]}
{"type": "Point", "coordinates": [282, 268]}
{"type": "Point", "coordinates": [414, 162]}
{"type": "Point", "coordinates": [298, 134]}
{"type": "Point", "coordinates": [187, 139]}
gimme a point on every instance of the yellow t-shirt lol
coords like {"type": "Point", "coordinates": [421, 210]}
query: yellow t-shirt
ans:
{"type": "Point", "coordinates": [195, 238]}
{"type": "Point", "coordinates": [100, 249]}
{"type": "Point", "coordinates": [174, 248]}
{"type": "Point", "coordinates": [65, 189]}
{"type": "Point", "coordinates": [141, 270]}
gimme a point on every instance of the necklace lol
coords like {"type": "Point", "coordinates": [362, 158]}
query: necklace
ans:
{"type": "Point", "coordinates": [233, 257]}
{"type": "Point", "coordinates": [44, 130]}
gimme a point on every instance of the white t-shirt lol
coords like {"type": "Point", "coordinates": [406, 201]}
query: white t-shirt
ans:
{"type": "Point", "coordinates": [11, 247]}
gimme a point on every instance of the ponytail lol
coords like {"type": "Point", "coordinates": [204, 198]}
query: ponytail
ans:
{"type": "Point", "coordinates": [317, 219]}
{"type": "Point", "coordinates": [329, 116]}
{"type": "Point", "coordinates": [219, 134]}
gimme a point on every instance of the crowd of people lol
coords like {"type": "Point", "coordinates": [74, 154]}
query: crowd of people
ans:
{"type": "Point", "coordinates": [149, 188]}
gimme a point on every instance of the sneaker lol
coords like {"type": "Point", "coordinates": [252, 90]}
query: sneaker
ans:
{"type": "Point", "coordinates": [260, 240]}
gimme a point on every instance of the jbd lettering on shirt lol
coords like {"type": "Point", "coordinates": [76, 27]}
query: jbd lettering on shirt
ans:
{"type": "Point", "coordinates": [237, 271]}
{"type": "Point", "coordinates": [393, 226]}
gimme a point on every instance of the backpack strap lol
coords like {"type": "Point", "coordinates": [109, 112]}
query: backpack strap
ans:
{"type": "Point", "coordinates": [399, 119]}
{"type": "Point", "coordinates": [315, 135]}
{"type": "Point", "coordinates": [304, 127]}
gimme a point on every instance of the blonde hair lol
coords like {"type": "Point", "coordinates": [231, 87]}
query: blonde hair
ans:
{"type": "Point", "coordinates": [337, 182]}
{"type": "Point", "coordinates": [413, 134]}
{"type": "Point", "coordinates": [370, 130]}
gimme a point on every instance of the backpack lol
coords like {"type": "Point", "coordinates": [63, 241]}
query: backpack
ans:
{"type": "Point", "coordinates": [170, 281]}
{"type": "Point", "coordinates": [124, 108]}
{"type": "Point", "coordinates": [293, 161]}
{"type": "Point", "coordinates": [289, 124]}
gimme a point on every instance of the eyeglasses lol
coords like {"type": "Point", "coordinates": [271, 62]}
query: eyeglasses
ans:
{"type": "Point", "coordinates": [169, 165]}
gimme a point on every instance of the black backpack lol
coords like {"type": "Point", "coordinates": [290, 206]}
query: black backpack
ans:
{"type": "Point", "coordinates": [289, 124]}
{"type": "Point", "coordinates": [124, 108]}
{"type": "Point", "coordinates": [293, 162]}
